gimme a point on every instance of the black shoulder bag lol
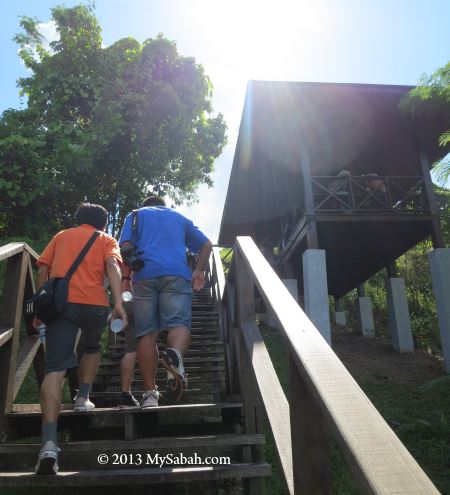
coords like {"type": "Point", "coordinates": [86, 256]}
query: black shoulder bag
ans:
{"type": "Point", "coordinates": [50, 301]}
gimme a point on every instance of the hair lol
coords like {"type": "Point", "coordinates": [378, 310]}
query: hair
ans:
{"type": "Point", "coordinates": [94, 215]}
{"type": "Point", "coordinates": [154, 201]}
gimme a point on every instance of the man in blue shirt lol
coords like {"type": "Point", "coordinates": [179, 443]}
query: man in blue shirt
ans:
{"type": "Point", "coordinates": [162, 289]}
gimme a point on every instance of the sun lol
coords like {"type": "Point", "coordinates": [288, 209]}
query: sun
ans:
{"type": "Point", "coordinates": [258, 39]}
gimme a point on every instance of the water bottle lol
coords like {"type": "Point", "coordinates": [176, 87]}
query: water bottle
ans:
{"type": "Point", "coordinates": [127, 296]}
{"type": "Point", "coordinates": [41, 330]}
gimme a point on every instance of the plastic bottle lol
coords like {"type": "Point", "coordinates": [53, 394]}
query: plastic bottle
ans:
{"type": "Point", "coordinates": [41, 330]}
{"type": "Point", "coordinates": [127, 296]}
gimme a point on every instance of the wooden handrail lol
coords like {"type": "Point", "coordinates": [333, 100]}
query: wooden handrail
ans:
{"type": "Point", "coordinates": [14, 248]}
{"type": "Point", "coordinates": [323, 396]}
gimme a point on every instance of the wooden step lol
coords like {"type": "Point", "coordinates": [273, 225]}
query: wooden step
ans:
{"type": "Point", "coordinates": [34, 410]}
{"type": "Point", "coordinates": [195, 381]}
{"type": "Point", "coordinates": [188, 360]}
{"type": "Point", "coordinates": [194, 345]}
{"type": "Point", "coordinates": [161, 371]}
{"type": "Point", "coordinates": [142, 476]}
{"type": "Point", "coordinates": [190, 353]}
{"type": "Point", "coordinates": [77, 456]}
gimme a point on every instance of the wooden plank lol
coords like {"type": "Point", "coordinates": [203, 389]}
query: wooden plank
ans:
{"type": "Point", "coordinates": [380, 462]}
{"type": "Point", "coordinates": [275, 404]}
{"type": "Point", "coordinates": [11, 249]}
{"type": "Point", "coordinates": [311, 457]}
{"type": "Point", "coordinates": [5, 335]}
{"type": "Point", "coordinates": [387, 217]}
{"type": "Point", "coordinates": [143, 476]}
{"type": "Point", "coordinates": [11, 315]}
{"type": "Point", "coordinates": [29, 410]}
{"type": "Point", "coordinates": [24, 360]}
{"type": "Point", "coordinates": [436, 235]}
{"type": "Point", "coordinates": [218, 271]}
{"type": "Point", "coordinates": [178, 442]}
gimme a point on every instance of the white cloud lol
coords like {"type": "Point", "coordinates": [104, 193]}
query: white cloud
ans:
{"type": "Point", "coordinates": [49, 32]}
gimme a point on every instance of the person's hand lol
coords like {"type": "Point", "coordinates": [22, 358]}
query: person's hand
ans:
{"type": "Point", "coordinates": [119, 312]}
{"type": "Point", "coordinates": [36, 322]}
{"type": "Point", "coordinates": [198, 279]}
{"type": "Point", "coordinates": [126, 285]}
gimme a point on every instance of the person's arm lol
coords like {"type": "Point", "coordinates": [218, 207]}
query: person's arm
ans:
{"type": "Point", "coordinates": [126, 272]}
{"type": "Point", "coordinates": [42, 275]}
{"type": "Point", "coordinates": [198, 275]}
{"type": "Point", "coordinates": [115, 282]}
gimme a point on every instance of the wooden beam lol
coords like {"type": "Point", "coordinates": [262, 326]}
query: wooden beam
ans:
{"type": "Point", "coordinates": [394, 217]}
{"type": "Point", "coordinates": [11, 249]}
{"type": "Point", "coordinates": [11, 315]}
{"type": "Point", "coordinates": [310, 439]}
{"type": "Point", "coordinates": [274, 401]}
{"type": "Point", "coordinates": [305, 168]}
{"type": "Point", "coordinates": [380, 462]}
{"type": "Point", "coordinates": [5, 335]}
{"type": "Point", "coordinates": [436, 235]}
{"type": "Point", "coordinates": [294, 241]}
{"type": "Point", "coordinates": [24, 361]}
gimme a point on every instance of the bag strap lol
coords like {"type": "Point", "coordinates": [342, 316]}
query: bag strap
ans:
{"type": "Point", "coordinates": [134, 226]}
{"type": "Point", "coordinates": [82, 254]}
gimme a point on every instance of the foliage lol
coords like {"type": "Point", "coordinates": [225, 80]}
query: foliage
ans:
{"type": "Point", "coordinates": [103, 124]}
{"type": "Point", "coordinates": [433, 94]}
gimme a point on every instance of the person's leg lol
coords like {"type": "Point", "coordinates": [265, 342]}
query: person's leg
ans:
{"type": "Point", "coordinates": [147, 355]}
{"type": "Point", "coordinates": [175, 314]}
{"type": "Point", "coordinates": [92, 321]}
{"type": "Point", "coordinates": [127, 371]}
{"type": "Point", "coordinates": [146, 317]}
{"type": "Point", "coordinates": [50, 397]}
{"type": "Point", "coordinates": [179, 338]}
{"type": "Point", "coordinates": [59, 356]}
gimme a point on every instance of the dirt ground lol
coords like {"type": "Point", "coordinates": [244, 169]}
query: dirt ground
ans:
{"type": "Point", "coordinates": [370, 359]}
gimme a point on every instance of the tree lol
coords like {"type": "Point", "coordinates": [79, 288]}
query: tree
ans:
{"type": "Point", "coordinates": [105, 125]}
{"type": "Point", "coordinates": [433, 93]}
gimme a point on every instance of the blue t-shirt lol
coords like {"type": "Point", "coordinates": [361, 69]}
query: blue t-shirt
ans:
{"type": "Point", "coordinates": [162, 236]}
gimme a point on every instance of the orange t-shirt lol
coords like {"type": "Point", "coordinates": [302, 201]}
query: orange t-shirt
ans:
{"type": "Point", "coordinates": [86, 284]}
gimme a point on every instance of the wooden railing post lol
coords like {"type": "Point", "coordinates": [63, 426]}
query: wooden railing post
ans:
{"type": "Point", "coordinates": [253, 414]}
{"type": "Point", "coordinates": [311, 458]}
{"type": "Point", "coordinates": [11, 317]}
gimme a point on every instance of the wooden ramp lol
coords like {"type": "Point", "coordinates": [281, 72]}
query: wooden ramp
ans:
{"type": "Point", "coordinates": [199, 440]}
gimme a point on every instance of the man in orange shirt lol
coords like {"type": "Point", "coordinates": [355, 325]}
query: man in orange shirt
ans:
{"type": "Point", "coordinates": [87, 309]}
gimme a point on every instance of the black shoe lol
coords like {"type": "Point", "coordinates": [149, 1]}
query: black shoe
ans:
{"type": "Point", "coordinates": [176, 377]}
{"type": "Point", "coordinates": [127, 400]}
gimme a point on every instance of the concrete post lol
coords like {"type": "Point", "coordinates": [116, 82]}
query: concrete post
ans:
{"type": "Point", "coordinates": [440, 273]}
{"type": "Point", "coordinates": [316, 291]}
{"type": "Point", "coordinates": [399, 321]}
{"type": "Point", "coordinates": [339, 314]}
{"type": "Point", "coordinates": [365, 317]}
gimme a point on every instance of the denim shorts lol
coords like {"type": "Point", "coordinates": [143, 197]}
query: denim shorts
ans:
{"type": "Point", "coordinates": [161, 303]}
{"type": "Point", "coordinates": [61, 334]}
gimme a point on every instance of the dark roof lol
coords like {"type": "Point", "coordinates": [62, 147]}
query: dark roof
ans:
{"type": "Point", "coordinates": [354, 126]}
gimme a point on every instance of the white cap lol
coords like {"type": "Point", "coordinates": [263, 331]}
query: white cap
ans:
{"type": "Point", "coordinates": [116, 325]}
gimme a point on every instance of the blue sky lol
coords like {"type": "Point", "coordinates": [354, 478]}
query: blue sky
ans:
{"type": "Point", "coordinates": [358, 41]}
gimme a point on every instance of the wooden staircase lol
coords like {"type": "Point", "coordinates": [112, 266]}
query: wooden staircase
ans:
{"type": "Point", "coordinates": [111, 446]}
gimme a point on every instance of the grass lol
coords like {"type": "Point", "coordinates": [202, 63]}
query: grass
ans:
{"type": "Point", "coordinates": [419, 415]}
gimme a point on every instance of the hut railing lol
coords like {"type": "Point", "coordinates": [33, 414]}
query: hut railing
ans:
{"type": "Point", "coordinates": [370, 193]}
{"type": "Point", "coordinates": [17, 351]}
{"type": "Point", "coordinates": [322, 396]}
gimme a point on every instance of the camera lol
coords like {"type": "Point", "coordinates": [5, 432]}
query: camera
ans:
{"type": "Point", "coordinates": [131, 257]}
